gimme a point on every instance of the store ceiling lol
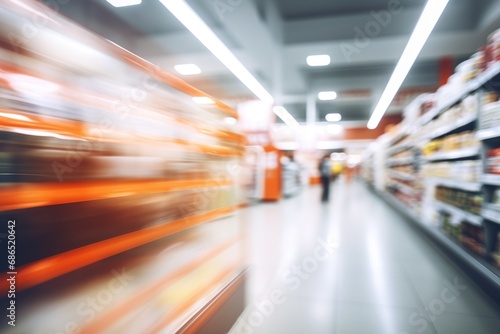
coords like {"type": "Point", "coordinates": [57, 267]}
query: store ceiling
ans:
{"type": "Point", "coordinates": [272, 38]}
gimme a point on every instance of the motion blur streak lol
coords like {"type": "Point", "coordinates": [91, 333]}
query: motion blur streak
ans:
{"type": "Point", "coordinates": [116, 180]}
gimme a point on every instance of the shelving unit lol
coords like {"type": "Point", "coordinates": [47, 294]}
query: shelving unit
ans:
{"type": "Point", "coordinates": [454, 155]}
{"type": "Point", "coordinates": [490, 179]}
{"type": "Point", "coordinates": [458, 214]}
{"type": "Point", "coordinates": [452, 127]}
{"type": "Point", "coordinates": [114, 169]}
{"type": "Point", "coordinates": [458, 184]}
{"type": "Point", "coordinates": [491, 212]}
{"type": "Point", "coordinates": [452, 148]}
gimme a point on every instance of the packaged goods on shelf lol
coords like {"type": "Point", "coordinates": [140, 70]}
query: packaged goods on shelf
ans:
{"type": "Point", "coordinates": [465, 200]}
{"type": "Point", "coordinates": [466, 109]}
{"type": "Point", "coordinates": [428, 104]}
{"type": "Point", "coordinates": [492, 52]}
{"type": "Point", "coordinates": [472, 237]}
{"type": "Point", "coordinates": [493, 161]}
{"type": "Point", "coordinates": [404, 169]}
{"type": "Point", "coordinates": [453, 230]}
{"type": "Point", "coordinates": [490, 115]}
{"type": "Point", "coordinates": [452, 142]}
{"type": "Point", "coordinates": [468, 170]}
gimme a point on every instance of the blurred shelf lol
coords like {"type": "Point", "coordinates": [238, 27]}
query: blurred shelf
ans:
{"type": "Point", "coordinates": [458, 184]}
{"type": "Point", "coordinates": [400, 205]}
{"type": "Point", "coordinates": [491, 212]}
{"type": "Point", "coordinates": [398, 148]}
{"type": "Point", "coordinates": [489, 133]}
{"type": "Point", "coordinates": [471, 86]}
{"type": "Point", "coordinates": [456, 154]}
{"type": "Point", "coordinates": [403, 188]}
{"type": "Point", "coordinates": [458, 213]}
{"type": "Point", "coordinates": [403, 132]}
{"type": "Point", "coordinates": [23, 196]}
{"type": "Point", "coordinates": [400, 161]}
{"type": "Point", "coordinates": [401, 175]}
{"type": "Point", "coordinates": [491, 179]}
{"type": "Point", "coordinates": [54, 266]}
{"type": "Point", "coordinates": [452, 127]}
{"type": "Point", "coordinates": [53, 127]}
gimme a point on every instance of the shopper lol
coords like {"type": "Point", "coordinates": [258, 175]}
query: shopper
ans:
{"type": "Point", "coordinates": [325, 171]}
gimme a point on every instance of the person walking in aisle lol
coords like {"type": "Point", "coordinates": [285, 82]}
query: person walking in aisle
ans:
{"type": "Point", "coordinates": [325, 170]}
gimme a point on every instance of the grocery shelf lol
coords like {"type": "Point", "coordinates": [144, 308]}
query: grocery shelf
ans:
{"type": "Point", "coordinates": [491, 179]}
{"type": "Point", "coordinates": [492, 71]}
{"type": "Point", "coordinates": [25, 196]}
{"type": "Point", "coordinates": [459, 214]}
{"type": "Point", "coordinates": [455, 154]}
{"type": "Point", "coordinates": [57, 265]}
{"type": "Point", "coordinates": [489, 133]}
{"type": "Point", "coordinates": [404, 188]}
{"type": "Point", "coordinates": [484, 271]}
{"type": "Point", "coordinates": [401, 175]}
{"type": "Point", "coordinates": [458, 184]}
{"type": "Point", "coordinates": [400, 161]}
{"type": "Point", "coordinates": [399, 148]}
{"type": "Point", "coordinates": [491, 212]}
{"type": "Point", "coordinates": [452, 127]}
{"type": "Point", "coordinates": [471, 86]}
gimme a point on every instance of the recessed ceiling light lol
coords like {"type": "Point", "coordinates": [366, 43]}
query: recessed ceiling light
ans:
{"type": "Point", "coordinates": [326, 96]}
{"type": "Point", "coordinates": [318, 60]}
{"type": "Point", "coordinates": [333, 117]}
{"type": "Point", "coordinates": [230, 120]}
{"type": "Point", "coordinates": [203, 100]}
{"type": "Point", "coordinates": [187, 69]}
{"type": "Point", "coordinates": [124, 3]}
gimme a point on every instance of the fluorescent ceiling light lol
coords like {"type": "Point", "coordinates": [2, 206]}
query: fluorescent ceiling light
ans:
{"type": "Point", "coordinates": [335, 117]}
{"type": "Point", "coordinates": [188, 17]}
{"type": "Point", "coordinates": [285, 116]}
{"type": "Point", "coordinates": [327, 96]}
{"type": "Point", "coordinates": [423, 29]}
{"type": "Point", "coordinates": [318, 60]}
{"type": "Point", "coordinates": [124, 3]}
{"type": "Point", "coordinates": [187, 69]}
{"type": "Point", "coordinates": [203, 100]}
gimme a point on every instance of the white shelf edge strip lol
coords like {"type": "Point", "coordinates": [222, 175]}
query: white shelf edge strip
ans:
{"type": "Point", "coordinates": [456, 154]}
{"type": "Point", "coordinates": [470, 217]}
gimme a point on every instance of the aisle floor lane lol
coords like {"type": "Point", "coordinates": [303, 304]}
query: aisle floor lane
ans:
{"type": "Point", "coordinates": [352, 266]}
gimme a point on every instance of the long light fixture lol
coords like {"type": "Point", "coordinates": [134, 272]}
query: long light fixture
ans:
{"type": "Point", "coordinates": [431, 14]}
{"type": "Point", "coordinates": [188, 17]}
{"type": "Point", "coordinates": [285, 116]}
{"type": "Point", "coordinates": [124, 3]}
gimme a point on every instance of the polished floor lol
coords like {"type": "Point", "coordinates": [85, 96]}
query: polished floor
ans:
{"type": "Point", "coordinates": [352, 266]}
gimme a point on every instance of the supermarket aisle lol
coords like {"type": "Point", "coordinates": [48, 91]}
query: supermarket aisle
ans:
{"type": "Point", "coordinates": [352, 266]}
